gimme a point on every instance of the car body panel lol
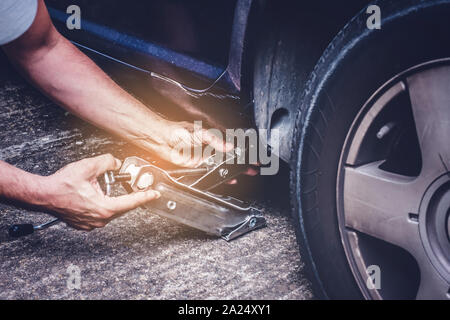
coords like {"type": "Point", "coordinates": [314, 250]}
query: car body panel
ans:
{"type": "Point", "coordinates": [204, 45]}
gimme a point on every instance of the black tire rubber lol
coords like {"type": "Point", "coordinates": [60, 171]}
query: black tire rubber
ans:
{"type": "Point", "coordinates": [354, 66]}
{"type": "Point", "coordinates": [286, 51]}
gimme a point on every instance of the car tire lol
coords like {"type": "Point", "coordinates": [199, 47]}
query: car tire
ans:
{"type": "Point", "coordinates": [357, 63]}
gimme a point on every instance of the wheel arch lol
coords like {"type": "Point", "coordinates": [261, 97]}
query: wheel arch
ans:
{"type": "Point", "coordinates": [283, 40]}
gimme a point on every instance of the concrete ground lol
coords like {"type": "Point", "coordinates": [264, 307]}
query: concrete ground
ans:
{"type": "Point", "coordinates": [138, 256]}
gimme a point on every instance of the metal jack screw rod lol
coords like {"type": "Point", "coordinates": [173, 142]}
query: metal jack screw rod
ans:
{"type": "Point", "coordinates": [112, 178]}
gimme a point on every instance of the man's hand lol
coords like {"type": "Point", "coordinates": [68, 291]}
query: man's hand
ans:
{"type": "Point", "coordinates": [183, 143]}
{"type": "Point", "coordinates": [74, 194]}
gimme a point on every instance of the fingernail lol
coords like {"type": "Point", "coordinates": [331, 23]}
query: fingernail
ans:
{"type": "Point", "coordinates": [118, 163]}
{"type": "Point", "coordinates": [157, 194]}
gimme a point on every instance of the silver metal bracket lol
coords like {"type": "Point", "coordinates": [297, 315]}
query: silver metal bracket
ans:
{"type": "Point", "coordinates": [225, 217]}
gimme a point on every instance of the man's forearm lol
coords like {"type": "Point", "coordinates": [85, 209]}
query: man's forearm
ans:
{"type": "Point", "coordinates": [76, 83]}
{"type": "Point", "coordinates": [73, 81]}
{"type": "Point", "coordinates": [20, 185]}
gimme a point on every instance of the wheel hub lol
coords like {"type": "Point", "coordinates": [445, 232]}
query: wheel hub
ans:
{"type": "Point", "coordinates": [434, 224]}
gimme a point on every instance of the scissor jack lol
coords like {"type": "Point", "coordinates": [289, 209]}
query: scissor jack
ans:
{"type": "Point", "coordinates": [185, 196]}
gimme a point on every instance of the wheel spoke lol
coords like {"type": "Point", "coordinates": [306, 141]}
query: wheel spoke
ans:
{"type": "Point", "coordinates": [378, 203]}
{"type": "Point", "coordinates": [432, 284]}
{"type": "Point", "coordinates": [429, 92]}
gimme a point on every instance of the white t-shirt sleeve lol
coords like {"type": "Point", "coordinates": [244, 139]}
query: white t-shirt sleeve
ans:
{"type": "Point", "coordinates": [16, 16]}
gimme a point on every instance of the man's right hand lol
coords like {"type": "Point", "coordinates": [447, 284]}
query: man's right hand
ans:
{"type": "Point", "coordinates": [75, 196]}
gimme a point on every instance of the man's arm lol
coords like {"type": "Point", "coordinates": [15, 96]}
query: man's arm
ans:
{"type": "Point", "coordinates": [20, 185]}
{"type": "Point", "coordinates": [75, 82]}
{"type": "Point", "coordinates": [73, 193]}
